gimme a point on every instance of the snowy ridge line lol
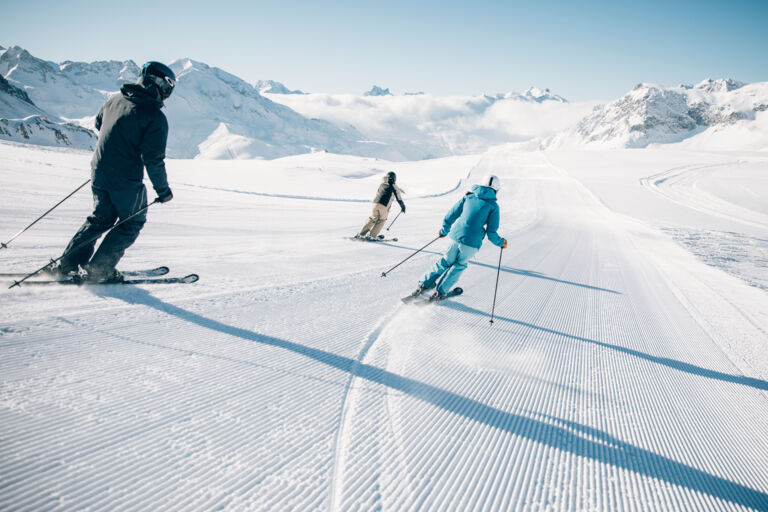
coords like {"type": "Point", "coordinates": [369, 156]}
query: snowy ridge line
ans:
{"type": "Point", "coordinates": [314, 198]}
{"type": "Point", "coordinates": [440, 194]}
{"type": "Point", "coordinates": [665, 184]}
{"type": "Point", "coordinates": [281, 196]}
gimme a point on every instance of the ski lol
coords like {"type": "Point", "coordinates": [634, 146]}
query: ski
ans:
{"type": "Point", "coordinates": [151, 272]}
{"type": "Point", "coordinates": [379, 239]}
{"type": "Point", "coordinates": [191, 278]}
{"type": "Point", "coordinates": [423, 302]}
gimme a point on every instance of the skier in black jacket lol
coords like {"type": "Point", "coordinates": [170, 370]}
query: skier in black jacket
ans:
{"type": "Point", "coordinates": [385, 195]}
{"type": "Point", "coordinates": [132, 134]}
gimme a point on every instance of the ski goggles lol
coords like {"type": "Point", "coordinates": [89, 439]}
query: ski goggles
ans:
{"type": "Point", "coordinates": [165, 84]}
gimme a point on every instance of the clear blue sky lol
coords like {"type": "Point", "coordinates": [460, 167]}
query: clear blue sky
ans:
{"type": "Point", "coordinates": [581, 50]}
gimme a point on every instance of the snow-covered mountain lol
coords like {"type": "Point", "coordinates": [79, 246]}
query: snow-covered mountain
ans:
{"type": "Point", "coordinates": [377, 91]}
{"type": "Point", "coordinates": [531, 94]}
{"type": "Point", "coordinates": [70, 90]}
{"type": "Point", "coordinates": [655, 114]}
{"type": "Point", "coordinates": [273, 87]}
{"type": "Point", "coordinates": [23, 121]}
{"type": "Point", "coordinates": [214, 114]}
{"type": "Point", "coordinates": [427, 126]}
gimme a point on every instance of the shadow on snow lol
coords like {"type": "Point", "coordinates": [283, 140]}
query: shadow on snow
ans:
{"type": "Point", "coordinates": [509, 270]}
{"type": "Point", "coordinates": [665, 361]}
{"type": "Point", "coordinates": [571, 437]}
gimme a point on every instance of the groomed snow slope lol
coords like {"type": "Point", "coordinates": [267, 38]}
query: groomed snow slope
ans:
{"type": "Point", "coordinates": [291, 377]}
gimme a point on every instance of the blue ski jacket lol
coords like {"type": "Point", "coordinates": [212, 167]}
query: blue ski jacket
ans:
{"type": "Point", "coordinates": [474, 216]}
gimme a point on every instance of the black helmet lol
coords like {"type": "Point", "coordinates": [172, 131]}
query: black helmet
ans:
{"type": "Point", "coordinates": [160, 75]}
{"type": "Point", "coordinates": [391, 176]}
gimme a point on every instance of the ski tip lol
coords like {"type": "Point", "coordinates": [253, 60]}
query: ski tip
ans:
{"type": "Point", "coordinates": [191, 278]}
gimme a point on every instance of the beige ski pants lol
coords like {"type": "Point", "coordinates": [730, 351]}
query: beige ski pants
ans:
{"type": "Point", "coordinates": [376, 220]}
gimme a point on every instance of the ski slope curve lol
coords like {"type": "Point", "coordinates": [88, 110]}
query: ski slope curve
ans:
{"type": "Point", "coordinates": [291, 377]}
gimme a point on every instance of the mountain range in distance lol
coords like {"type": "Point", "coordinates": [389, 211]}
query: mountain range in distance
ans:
{"type": "Point", "coordinates": [214, 114]}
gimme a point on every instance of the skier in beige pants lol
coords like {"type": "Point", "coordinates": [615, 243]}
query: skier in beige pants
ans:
{"type": "Point", "coordinates": [387, 193]}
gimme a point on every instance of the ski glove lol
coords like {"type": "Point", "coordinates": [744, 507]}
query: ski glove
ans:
{"type": "Point", "coordinates": [402, 207]}
{"type": "Point", "coordinates": [505, 244]}
{"type": "Point", "coordinates": [165, 196]}
{"type": "Point", "coordinates": [441, 235]}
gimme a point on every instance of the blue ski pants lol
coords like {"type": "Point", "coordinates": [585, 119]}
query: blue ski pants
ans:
{"type": "Point", "coordinates": [450, 267]}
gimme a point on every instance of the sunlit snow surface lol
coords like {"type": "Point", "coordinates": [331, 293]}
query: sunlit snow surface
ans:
{"type": "Point", "coordinates": [625, 369]}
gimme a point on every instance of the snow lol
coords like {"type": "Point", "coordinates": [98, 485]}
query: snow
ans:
{"type": "Point", "coordinates": [274, 87]}
{"type": "Point", "coordinates": [424, 126]}
{"type": "Point", "coordinates": [710, 115]}
{"type": "Point", "coordinates": [217, 115]}
{"type": "Point", "coordinates": [23, 120]}
{"type": "Point", "coordinates": [624, 370]}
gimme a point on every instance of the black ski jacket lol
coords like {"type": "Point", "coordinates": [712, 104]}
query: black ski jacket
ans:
{"type": "Point", "coordinates": [385, 193]}
{"type": "Point", "coordinates": [132, 134]}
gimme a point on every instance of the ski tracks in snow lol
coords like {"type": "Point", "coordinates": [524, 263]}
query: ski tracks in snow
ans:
{"type": "Point", "coordinates": [595, 389]}
{"type": "Point", "coordinates": [679, 185]}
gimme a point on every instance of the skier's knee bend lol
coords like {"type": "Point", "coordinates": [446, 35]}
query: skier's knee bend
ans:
{"type": "Point", "coordinates": [101, 223]}
{"type": "Point", "coordinates": [133, 226]}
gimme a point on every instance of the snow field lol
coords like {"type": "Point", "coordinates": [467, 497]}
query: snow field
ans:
{"type": "Point", "coordinates": [291, 376]}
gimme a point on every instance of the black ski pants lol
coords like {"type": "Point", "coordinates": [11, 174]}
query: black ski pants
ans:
{"type": "Point", "coordinates": [108, 207]}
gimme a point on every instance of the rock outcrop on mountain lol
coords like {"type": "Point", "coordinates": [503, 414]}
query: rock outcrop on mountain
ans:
{"type": "Point", "coordinates": [654, 114]}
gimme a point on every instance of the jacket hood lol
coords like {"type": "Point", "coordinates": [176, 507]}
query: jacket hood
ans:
{"type": "Point", "coordinates": [141, 95]}
{"type": "Point", "coordinates": [485, 193]}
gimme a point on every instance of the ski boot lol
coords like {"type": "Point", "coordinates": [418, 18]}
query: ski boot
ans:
{"type": "Point", "coordinates": [101, 276]}
{"type": "Point", "coordinates": [437, 296]}
{"type": "Point", "coordinates": [419, 290]}
{"type": "Point", "coordinates": [416, 293]}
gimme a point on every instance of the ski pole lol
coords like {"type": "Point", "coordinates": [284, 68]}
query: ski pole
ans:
{"type": "Point", "coordinates": [390, 225]}
{"type": "Point", "coordinates": [498, 270]}
{"type": "Point", "coordinates": [83, 244]}
{"type": "Point", "coordinates": [384, 274]}
{"type": "Point", "coordinates": [4, 245]}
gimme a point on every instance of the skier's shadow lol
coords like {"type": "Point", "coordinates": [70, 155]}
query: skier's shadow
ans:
{"type": "Point", "coordinates": [665, 361]}
{"type": "Point", "coordinates": [561, 434]}
{"type": "Point", "coordinates": [517, 271]}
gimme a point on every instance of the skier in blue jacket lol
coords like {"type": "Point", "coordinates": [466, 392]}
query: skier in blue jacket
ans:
{"type": "Point", "coordinates": [470, 219]}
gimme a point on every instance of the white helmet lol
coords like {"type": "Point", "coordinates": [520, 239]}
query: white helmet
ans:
{"type": "Point", "coordinates": [491, 180]}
